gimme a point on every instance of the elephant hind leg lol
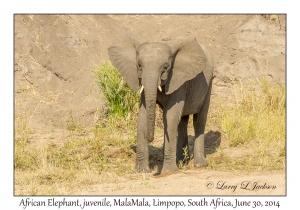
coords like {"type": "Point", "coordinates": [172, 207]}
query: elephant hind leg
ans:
{"type": "Point", "coordinates": [182, 141]}
{"type": "Point", "coordinates": [199, 121]}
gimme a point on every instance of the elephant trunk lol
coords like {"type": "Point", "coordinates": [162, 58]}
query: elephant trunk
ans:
{"type": "Point", "coordinates": [150, 88]}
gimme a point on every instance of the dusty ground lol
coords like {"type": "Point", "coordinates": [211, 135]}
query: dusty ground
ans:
{"type": "Point", "coordinates": [54, 55]}
{"type": "Point", "coordinates": [197, 182]}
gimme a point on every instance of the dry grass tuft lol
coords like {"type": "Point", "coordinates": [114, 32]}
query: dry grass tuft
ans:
{"type": "Point", "coordinates": [254, 125]}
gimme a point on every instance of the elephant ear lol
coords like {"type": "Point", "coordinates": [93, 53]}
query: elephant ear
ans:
{"type": "Point", "coordinates": [122, 53]}
{"type": "Point", "coordinates": [190, 60]}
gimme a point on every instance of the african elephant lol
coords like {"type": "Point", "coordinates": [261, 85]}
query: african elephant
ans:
{"type": "Point", "coordinates": [176, 74]}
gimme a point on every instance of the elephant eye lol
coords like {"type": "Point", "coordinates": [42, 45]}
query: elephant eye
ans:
{"type": "Point", "coordinates": [166, 67]}
{"type": "Point", "coordinates": [164, 73]}
{"type": "Point", "coordinates": [139, 66]}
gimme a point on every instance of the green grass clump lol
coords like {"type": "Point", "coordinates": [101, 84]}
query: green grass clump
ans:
{"type": "Point", "coordinates": [121, 101]}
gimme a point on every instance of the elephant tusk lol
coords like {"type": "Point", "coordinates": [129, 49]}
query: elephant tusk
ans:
{"type": "Point", "coordinates": [159, 87]}
{"type": "Point", "coordinates": [142, 88]}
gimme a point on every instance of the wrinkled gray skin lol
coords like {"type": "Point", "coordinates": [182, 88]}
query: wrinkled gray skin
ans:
{"type": "Point", "coordinates": [184, 69]}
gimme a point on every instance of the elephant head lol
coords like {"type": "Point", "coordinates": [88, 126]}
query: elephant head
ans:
{"type": "Point", "coordinates": [151, 65]}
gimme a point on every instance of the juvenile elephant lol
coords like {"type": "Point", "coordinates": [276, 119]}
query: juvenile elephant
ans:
{"type": "Point", "coordinates": [177, 75]}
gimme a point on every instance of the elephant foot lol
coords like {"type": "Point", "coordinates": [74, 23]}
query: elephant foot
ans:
{"type": "Point", "coordinates": [164, 174]}
{"type": "Point", "coordinates": [142, 168]}
{"type": "Point", "coordinates": [199, 162]}
{"type": "Point", "coordinates": [169, 168]}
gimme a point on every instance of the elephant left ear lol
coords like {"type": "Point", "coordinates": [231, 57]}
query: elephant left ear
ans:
{"type": "Point", "coordinates": [190, 60]}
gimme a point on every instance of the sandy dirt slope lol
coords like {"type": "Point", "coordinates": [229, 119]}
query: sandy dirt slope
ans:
{"type": "Point", "coordinates": [54, 56]}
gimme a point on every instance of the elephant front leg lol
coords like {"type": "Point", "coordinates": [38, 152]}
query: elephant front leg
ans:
{"type": "Point", "coordinates": [172, 118]}
{"type": "Point", "coordinates": [142, 152]}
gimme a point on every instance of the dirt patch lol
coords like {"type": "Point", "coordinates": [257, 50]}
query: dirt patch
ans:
{"type": "Point", "coordinates": [197, 182]}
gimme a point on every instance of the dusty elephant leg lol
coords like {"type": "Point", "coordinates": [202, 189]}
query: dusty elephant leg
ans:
{"type": "Point", "coordinates": [182, 141]}
{"type": "Point", "coordinates": [199, 121]}
{"type": "Point", "coordinates": [171, 117]}
{"type": "Point", "coordinates": [199, 125]}
{"type": "Point", "coordinates": [142, 153]}
{"type": "Point", "coordinates": [170, 143]}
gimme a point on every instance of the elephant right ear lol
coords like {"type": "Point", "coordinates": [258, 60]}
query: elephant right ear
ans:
{"type": "Point", "coordinates": [122, 53]}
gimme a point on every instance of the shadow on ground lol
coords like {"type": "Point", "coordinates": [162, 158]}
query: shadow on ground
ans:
{"type": "Point", "coordinates": [212, 141]}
